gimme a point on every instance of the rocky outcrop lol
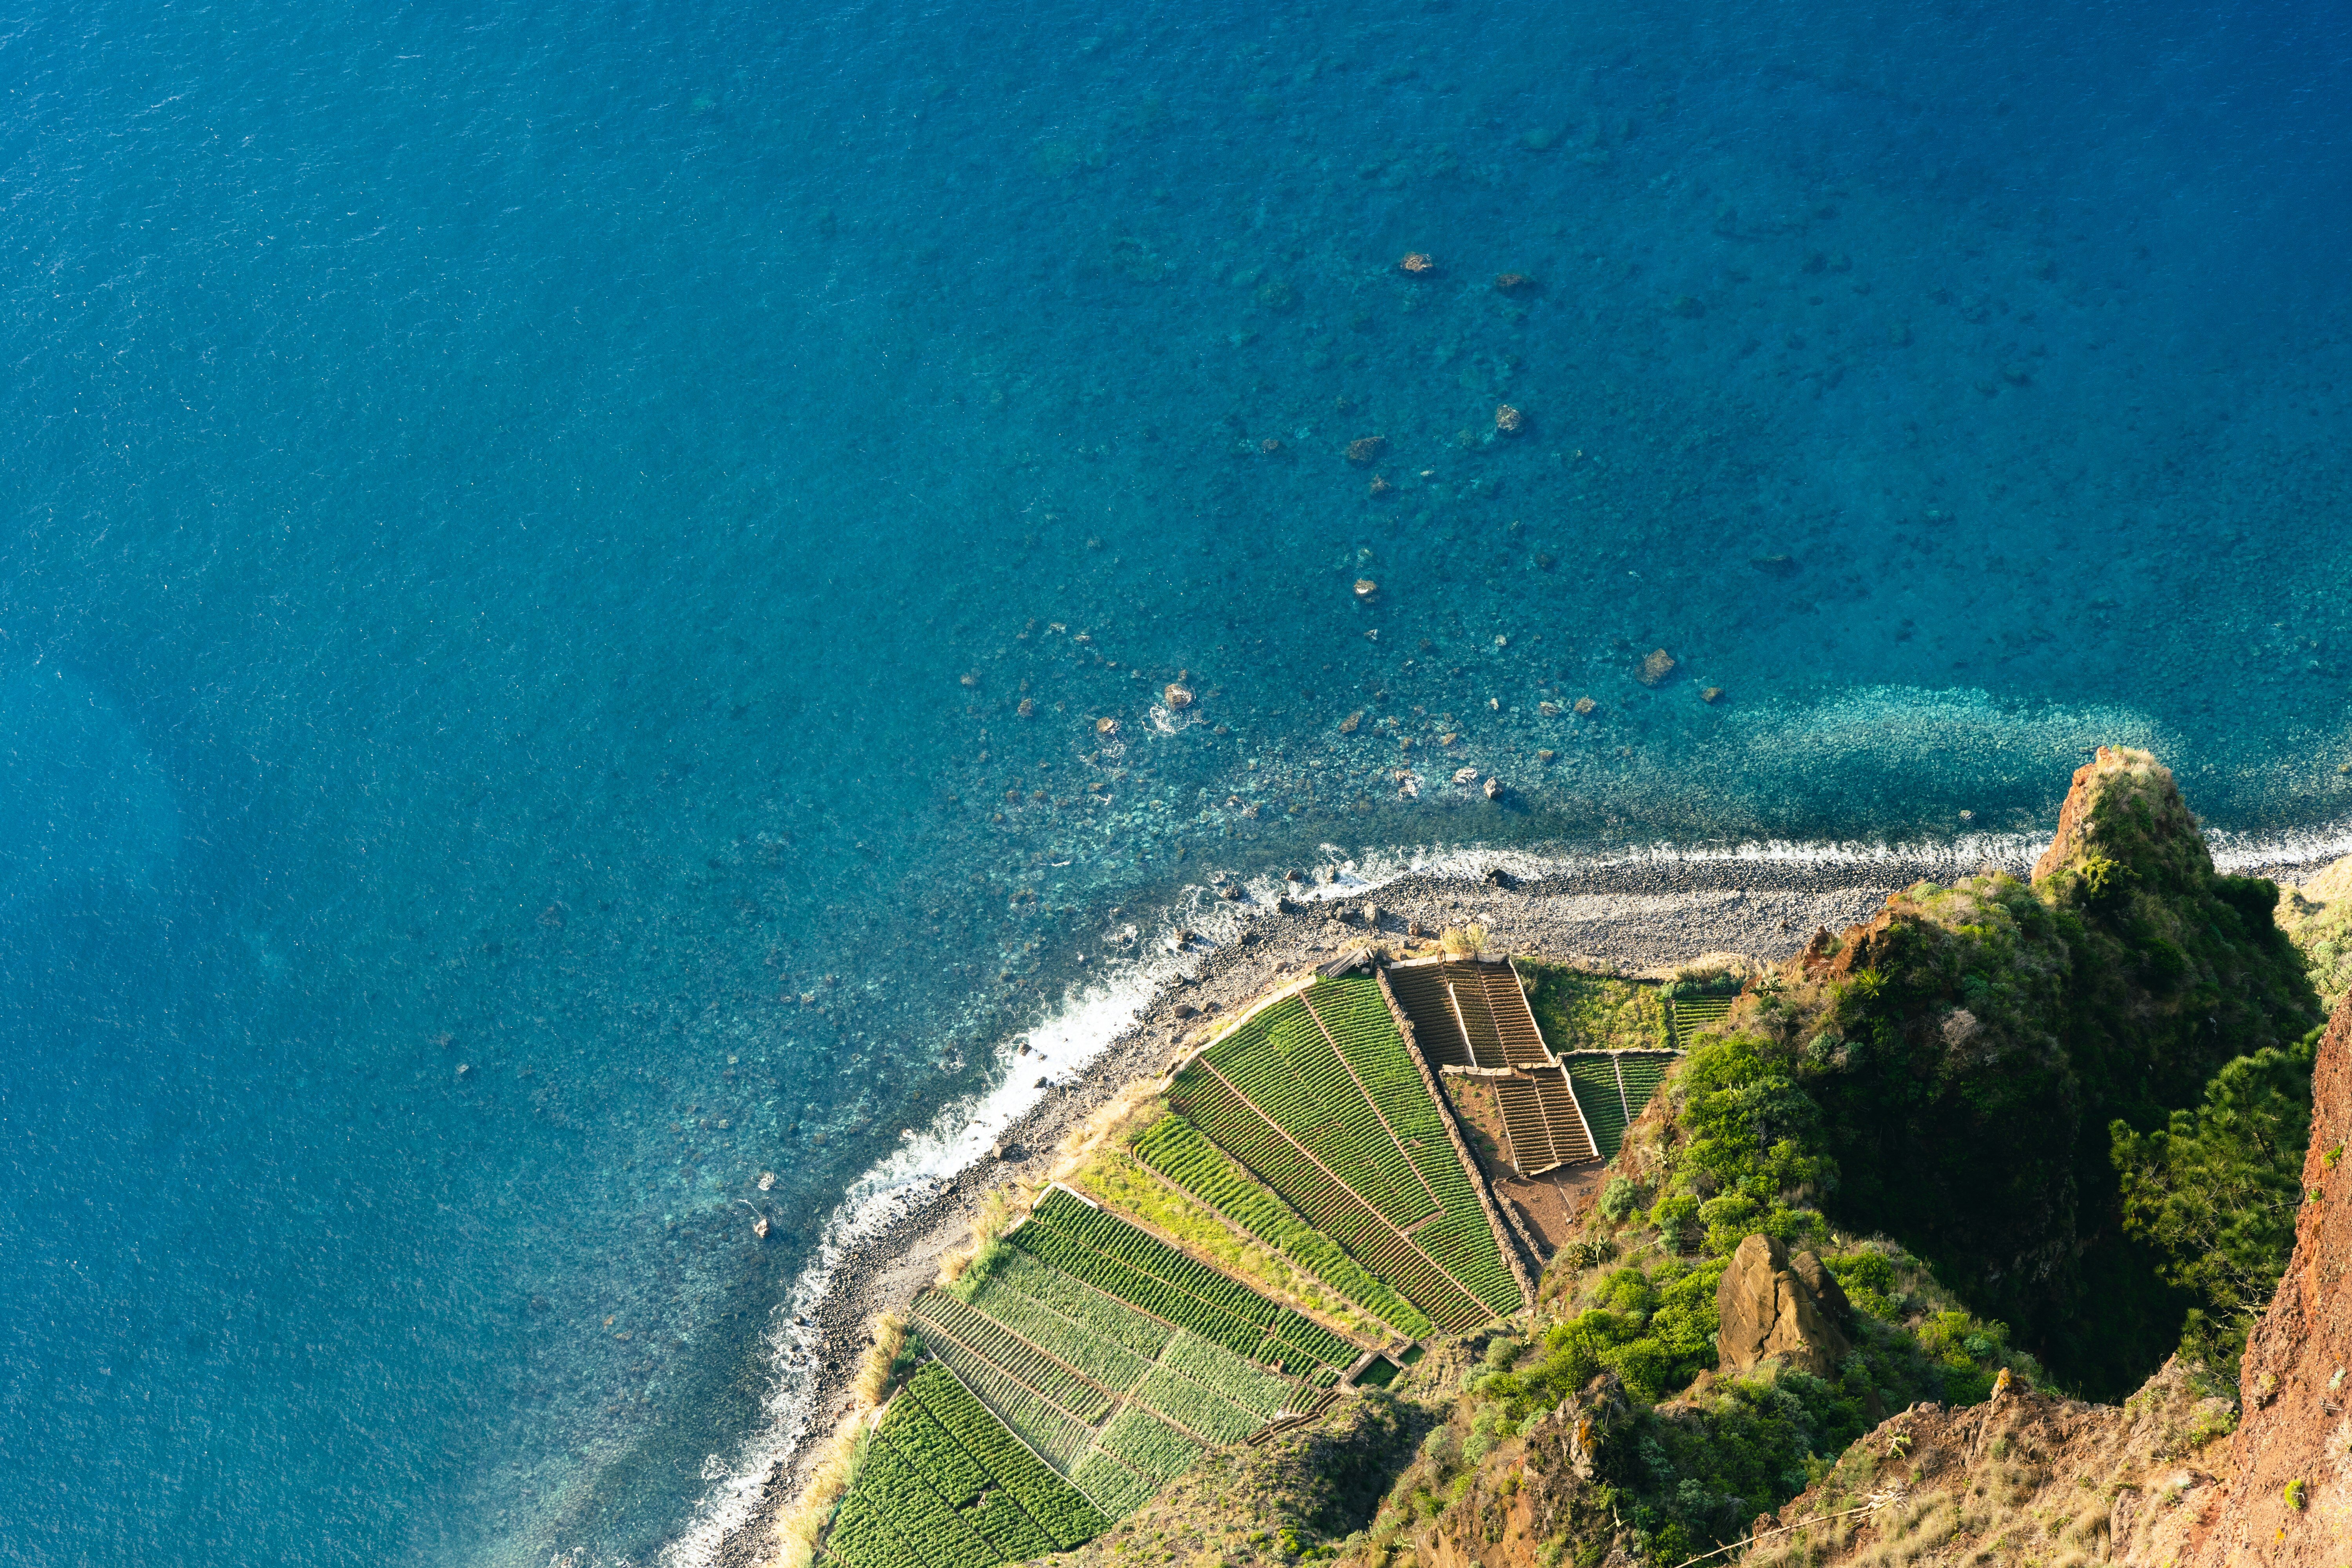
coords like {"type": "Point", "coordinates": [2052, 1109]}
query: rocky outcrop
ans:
{"type": "Point", "coordinates": [2123, 810]}
{"type": "Point", "coordinates": [2290, 1505]}
{"type": "Point", "coordinates": [2159, 1480]}
{"type": "Point", "coordinates": [1772, 1306]}
{"type": "Point", "coordinates": [2021, 1478]}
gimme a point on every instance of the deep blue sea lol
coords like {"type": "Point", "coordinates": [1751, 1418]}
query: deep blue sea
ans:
{"type": "Point", "coordinates": [529, 531]}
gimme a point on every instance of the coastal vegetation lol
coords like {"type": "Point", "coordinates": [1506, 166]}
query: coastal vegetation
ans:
{"type": "Point", "coordinates": [2006, 1134]}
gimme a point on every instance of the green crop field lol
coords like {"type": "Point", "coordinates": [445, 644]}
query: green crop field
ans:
{"type": "Point", "coordinates": [1641, 1076]}
{"type": "Point", "coordinates": [1149, 1445]}
{"type": "Point", "coordinates": [1319, 1098]}
{"type": "Point", "coordinates": [1087, 1362]}
{"type": "Point", "coordinates": [1695, 1013]}
{"type": "Point", "coordinates": [1179, 1151]}
{"type": "Point", "coordinates": [941, 1483]}
{"type": "Point", "coordinates": [1594, 1077]}
{"type": "Point", "coordinates": [1114, 1488]}
{"type": "Point", "coordinates": [1140, 1268]}
{"type": "Point", "coordinates": [1052, 1503]}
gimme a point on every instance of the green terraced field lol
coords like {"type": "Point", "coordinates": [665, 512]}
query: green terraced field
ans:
{"type": "Point", "coordinates": [1642, 1075]}
{"type": "Point", "coordinates": [1140, 1268]}
{"type": "Point", "coordinates": [944, 1484]}
{"type": "Point", "coordinates": [1318, 1098]}
{"type": "Point", "coordinates": [1594, 1077]}
{"type": "Point", "coordinates": [1179, 1151]}
{"type": "Point", "coordinates": [1082, 1367]}
{"type": "Point", "coordinates": [1693, 1013]}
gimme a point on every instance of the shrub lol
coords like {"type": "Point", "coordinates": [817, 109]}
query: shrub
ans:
{"type": "Point", "coordinates": [1619, 1200]}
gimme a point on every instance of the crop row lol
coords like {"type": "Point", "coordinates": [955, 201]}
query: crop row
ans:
{"type": "Point", "coordinates": [893, 1489]}
{"type": "Point", "coordinates": [1261, 1392]}
{"type": "Point", "coordinates": [962, 1482]}
{"type": "Point", "coordinates": [1003, 1525]}
{"type": "Point", "coordinates": [1594, 1078]}
{"type": "Point", "coordinates": [1195, 1408]}
{"type": "Point", "coordinates": [1111, 1486]}
{"type": "Point", "coordinates": [1072, 1297]}
{"type": "Point", "coordinates": [1338, 1213]}
{"type": "Point", "coordinates": [955, 1475]}
{"type": "Point", "coordinates": [1149, 1445]}
{"type": "Point", "coordinates": [1155, 1295]}
{"type": "Point", "coordinates": [1138, 1266]}
{"type": "Point", "coordinates": [1178, 1150]}
{"type": "Point", "coordinates": [1115, 1367]}
{"type": "Point", "coordinates": [1146, 1252]}
{"type": "Point", "coordinates": [1309, 1048]}
{"type": "Point", "coordinates": [1293, 1079]}
{"type": "Point", "coordinates": [1045, 1497]}
{"type": "Point", "coordinates": [1218, 1372]}
{"type": "Point", "coordinates": [1474, 1259]}
{"type": "Point", "coordinates": [1015, 1356]}
{"type": "Point", "coordinates": [1053, 1433]}
{"type": "Point", "coordinates": [1641, 1076]}
{"type": "Point", "coordinates": [861, 1538]}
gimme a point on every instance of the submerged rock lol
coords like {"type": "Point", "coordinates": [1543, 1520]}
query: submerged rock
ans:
{"type": "Point", "coordinates": [1654, 668]}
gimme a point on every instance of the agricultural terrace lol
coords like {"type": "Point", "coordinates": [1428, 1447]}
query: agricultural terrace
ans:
{"type": "Point", "coordinates": [1319, 1098]}
{"type": "Point", "coordinates": [1090, 1356]}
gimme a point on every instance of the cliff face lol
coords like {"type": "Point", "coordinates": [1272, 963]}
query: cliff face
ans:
{"type": "Point", "coordinates": [1969, 1046]}
{"type": "Point", "coordinates": [2290, 1504]}
{"type": "Point", "coordinates": [2159, 1480]}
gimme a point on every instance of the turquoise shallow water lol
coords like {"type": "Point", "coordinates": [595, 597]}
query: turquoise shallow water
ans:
{"type": "Point", "coordinates": [529, 529]}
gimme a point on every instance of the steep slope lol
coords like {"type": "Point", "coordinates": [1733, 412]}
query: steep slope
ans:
{"type": "Point", "coordinates": [1965, 1050]}
{"type": "Point", "coordinates": [2290, 1504]}
{"type": "Point", "coordinates": [2158, 1480]}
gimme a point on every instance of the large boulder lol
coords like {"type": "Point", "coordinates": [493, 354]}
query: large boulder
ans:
{"type": "Point", "coordinates": [1774, 1306]}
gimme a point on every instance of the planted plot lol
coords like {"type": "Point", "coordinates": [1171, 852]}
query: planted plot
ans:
{"type": "Point", "coordinates": [1149, 1445]}
{"type": "Point", "coordinates": [898, 1494]}
{"type": "Point", "coordinates": [863, 1539]}
{"type": "Point", "coordinates": [1380, 1247]}
{"type": "Point", "coordinates": [1178, 1151]}
{"type": "Point", "coordinates": [1000, 1523]}
{"type": "Point", "coordinates": [1017, 1357]}
{"type": "Point", "coordinates": [1114, 1319]}
{"type": "Point", "coordinates": [1188, 1404]}
{"type": "Point", "coordinates": [1693, 1013]}
{"type": "Point", "coordinates": [1283, 1065]}
{"type": "Point", "coordinates": [1641, 1076]}
{"type": "Point", "coordinates": [923, 1443]}
{"type": "Point", "coordinates": [1260, 1392]}
{"type": "Point", "coordinates": [1135, 1265]}
{"type": "Point", "coordinates": [1114, 1366]}
{"type": "Point", "coordinates": [1060, 1436]}
{"type": "Point", "coordinates": [1594, 1078]}
{"type": "Point", "coordinates": [1113, 1488]}
{"type": "Point", "coordinates": [1058, 1508]}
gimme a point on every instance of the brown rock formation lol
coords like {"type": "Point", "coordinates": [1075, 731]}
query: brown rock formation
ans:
{"type": "Point", "coordinates": [2120, 793]}
{"type": "Point", "coordinates": [1771, 1307]}
{"type": "Point", "coordinates": [2022, 1478]}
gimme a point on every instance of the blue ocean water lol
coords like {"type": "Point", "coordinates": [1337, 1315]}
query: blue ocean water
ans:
{"type": "Point", "coordinates": [530, 530]}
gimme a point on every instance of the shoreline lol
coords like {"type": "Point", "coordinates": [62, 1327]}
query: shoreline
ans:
{"type": "Point", "coordinates": [1631, 916]}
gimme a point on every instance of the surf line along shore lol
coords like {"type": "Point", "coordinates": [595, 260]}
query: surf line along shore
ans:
{"type": "Point", "coordinates": [1628, 917]}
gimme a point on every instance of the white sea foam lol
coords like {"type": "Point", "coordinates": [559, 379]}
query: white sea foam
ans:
{"type": "Point", "coordinates": [1070, 1041]}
